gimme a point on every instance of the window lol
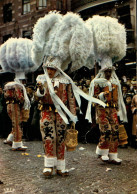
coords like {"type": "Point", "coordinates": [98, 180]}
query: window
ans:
{"type": "Point", "coordinates": [59, 5]}
{"type": "Point", "coordinates": [7, 12]}
{"type": "Point", "coordinates": [26, 34]}
{"type": "Point", "coordinates": [26, 6]}
{"type": "Point", "coordinates": [6, 37]}
{"type": "Point", "coordinates": [42, 4]}
{"type": "Point", "coordinates": [130, 36]}
{"type": "Point", "coordinates": [124, 16]}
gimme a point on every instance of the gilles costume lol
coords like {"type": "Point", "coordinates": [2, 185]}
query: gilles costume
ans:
{"type": "Point", "coordinates": [15, 58]}
{"type": "Point", "coordinates": [52, 126]}
{"type": "Point", "coordinates": [59, 40]}
{"type": "Point", "coordinates": [16, 97]}
{"type": "Point", "coordinates": [110, 46]}
{"type": "Point", "coordinates": [108, 117]}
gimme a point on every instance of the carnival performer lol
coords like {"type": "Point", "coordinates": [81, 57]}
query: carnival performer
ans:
{"type": "Point", "coordinates": [15, 58]}
{"type": "Point", "coordinates": [52, 126]}
{"type": "Point", "coordinates": [15, 98]}
{"type": "Point", "coordinates": [58, 93]}
{"type": "Point", "coordinates": [107, 117]}
{"type": "Point", "coordinates": [110, 45]}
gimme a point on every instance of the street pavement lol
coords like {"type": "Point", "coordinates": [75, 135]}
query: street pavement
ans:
{"type": "Point", "coordinates": [21, 172]}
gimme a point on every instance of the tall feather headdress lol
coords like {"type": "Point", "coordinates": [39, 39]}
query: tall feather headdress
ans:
{"type": "Point", "coordinates": [44, 33]}
{"type": "Point", "coordinates": [65, 37]}
{"type": "Point", "coordinates": [109, 46]}
{"type": "Point", "coordinates": [15, 57]}
{"type": "Point", "coordinates": [109, 39]}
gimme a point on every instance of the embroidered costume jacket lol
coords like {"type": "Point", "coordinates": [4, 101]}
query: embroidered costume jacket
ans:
{"type": "Point", "coordinates": [112, 99]}
{"type": "Point", "coordinates": [63, 91]}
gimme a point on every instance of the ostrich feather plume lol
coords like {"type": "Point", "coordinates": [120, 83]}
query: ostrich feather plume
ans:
{"type": "Point", "coordinates": [73, 42]}
{"type": "Point", "coordinates": [44, 33]}
{"type": "Point", "coordinates": [15, 55]}
{"type": "Point", "coordinates": [65, 37]}
{"type": "Point", "coordinates": [109, 37]}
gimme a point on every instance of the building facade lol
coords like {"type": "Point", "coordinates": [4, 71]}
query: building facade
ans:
{"type": "Point", "coordinates": [17, 17]}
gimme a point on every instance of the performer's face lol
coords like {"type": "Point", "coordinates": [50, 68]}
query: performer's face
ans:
{"type": "Point", "coordinates": [108, 73]}
{"type": "Point", "coordinates": [51, 72]}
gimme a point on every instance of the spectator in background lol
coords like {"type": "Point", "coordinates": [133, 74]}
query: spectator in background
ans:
{"type": "Point", "coordinates": [31, 128]}
{"type": "Point", "coordinates": [125, 89]}
{"type": "Point", "coordinates": [134, 87]}
{"type": "Point", "coordinates": [5, 123]}
{"type": "Point", "coordinates": [124, 79]}
{"type": "Point", "coordinates": [128, 125]}
{"type": "Point", "coordinates": [128, 82]}
{"type": "Point", "coordinates": [35, 124]}
{"type": "Point", "coordinates": [27, 130]}
{"type": "Point", "coordinates": [134, 124]}
{"type": "Point", "coordinates": [30, 91]}
{"type": "Point", "coordinates": [88, 83]}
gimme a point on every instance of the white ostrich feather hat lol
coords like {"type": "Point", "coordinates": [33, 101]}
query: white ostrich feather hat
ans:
{"type": "Point", "coordinates": [65, 38]}
{"type": "Point", "coordinates": [109, 40]}
{"type": "Point", "coordinates": [15, 57]}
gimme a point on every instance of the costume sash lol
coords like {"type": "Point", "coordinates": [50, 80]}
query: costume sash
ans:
{"type": "Point", "coordinates": [77, 93]}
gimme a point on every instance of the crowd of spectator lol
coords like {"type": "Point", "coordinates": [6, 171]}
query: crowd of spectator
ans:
{"type": "Point", "coordinates": [88, 132]}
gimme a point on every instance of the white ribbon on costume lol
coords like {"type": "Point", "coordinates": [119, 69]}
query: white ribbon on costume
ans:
{"type": "Point", "coordinates": [56, 83]}
{"type": "Point", "coordinates": [26, 105]}
{"type": "Point", "coordinates": [77, 93]}
{"type": "Point", "coordinates": [91, 93]}
{"type": "Point", "coordinates": [99, 79]}
{"type": "Point", "coordinates": [122, 113]}
{"type": "Point", "coordinates": [58, 102]}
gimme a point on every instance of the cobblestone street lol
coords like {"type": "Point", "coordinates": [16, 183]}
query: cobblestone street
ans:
{"type": "Point", "coordinates": [22, 174]}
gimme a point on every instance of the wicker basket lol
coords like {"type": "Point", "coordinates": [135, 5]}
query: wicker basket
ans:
{"type": "Point", "coordinates": [71, 139]}
{"type": "Point", "coordinates": [25, 115]}
{"type": "Point", "coordinates": [122, 135]}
